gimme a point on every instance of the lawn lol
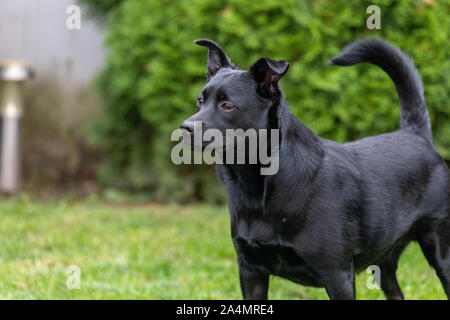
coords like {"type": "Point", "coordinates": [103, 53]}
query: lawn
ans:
{"type": "Point", "coordinates": [145, 252]}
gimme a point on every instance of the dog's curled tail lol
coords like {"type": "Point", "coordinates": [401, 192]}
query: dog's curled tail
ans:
{"type": "Point", "coordinates": [403, 73]}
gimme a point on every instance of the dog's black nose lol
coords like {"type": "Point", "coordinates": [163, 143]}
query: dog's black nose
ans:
{"type": "Point", "coordinates": [188, 125]}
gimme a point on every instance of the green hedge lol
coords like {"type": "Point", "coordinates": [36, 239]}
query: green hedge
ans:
{"type": "Point", "coordinates": [154, 72]}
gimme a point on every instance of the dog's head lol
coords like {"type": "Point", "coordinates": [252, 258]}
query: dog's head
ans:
{"type": "Point", "coordinates": [234, 98]}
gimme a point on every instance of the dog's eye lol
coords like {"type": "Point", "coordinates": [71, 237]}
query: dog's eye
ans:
{"type": "Point", "coordinates": [226, 106]}
{"type": "Point", "coordinates": [199, 102]}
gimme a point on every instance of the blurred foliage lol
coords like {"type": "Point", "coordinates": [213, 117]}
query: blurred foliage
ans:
{"type": "Point", "coordinates": [154, 72]}
{"type": "Point", "coordinates": [100, 7]}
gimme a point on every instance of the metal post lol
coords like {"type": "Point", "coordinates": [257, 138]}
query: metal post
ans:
{"type": "Point", "coordinates": [12, 76]}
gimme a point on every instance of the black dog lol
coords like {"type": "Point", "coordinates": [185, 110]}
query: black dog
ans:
{"type": "Point", "coordinates": [332, 209]}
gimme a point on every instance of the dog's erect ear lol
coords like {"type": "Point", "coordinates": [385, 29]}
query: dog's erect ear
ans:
{"type": "Point", "coordinates": [266, 73]}
{"type": "Point", "coordinates": [217, 58]}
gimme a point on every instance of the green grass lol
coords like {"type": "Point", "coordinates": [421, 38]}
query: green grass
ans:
{"type": "Point", "coordinates": [147, 252]}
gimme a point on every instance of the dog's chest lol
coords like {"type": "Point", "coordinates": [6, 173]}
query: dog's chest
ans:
{"type": "Point", "coordinates": [260, 245]}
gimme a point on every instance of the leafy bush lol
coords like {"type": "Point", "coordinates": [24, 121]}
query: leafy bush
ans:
{"type": "Point", "coordinates": [154, 72]}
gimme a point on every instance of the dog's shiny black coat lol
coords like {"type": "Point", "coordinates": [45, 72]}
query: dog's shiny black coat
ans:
{"type": "Point", "coordinates": [332, 209]}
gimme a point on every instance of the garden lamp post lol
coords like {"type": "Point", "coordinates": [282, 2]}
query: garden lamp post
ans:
{"type": "Point", "coordinates": [12, 76]}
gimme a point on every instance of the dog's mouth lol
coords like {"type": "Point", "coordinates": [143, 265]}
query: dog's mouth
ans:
{"type": "Point", "coordinates": [194, 143]}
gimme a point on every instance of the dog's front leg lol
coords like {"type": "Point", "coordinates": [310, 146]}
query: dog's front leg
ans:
{"type": "Point", "coordinates": [340, 284]}
{"type": "Point", "coordinates": [254, 284]}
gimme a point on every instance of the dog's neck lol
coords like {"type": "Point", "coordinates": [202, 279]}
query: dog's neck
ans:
{"type": "Point", "coordinates": [300, 155]}
{"type": "Point", "coordinates": [298, 142]}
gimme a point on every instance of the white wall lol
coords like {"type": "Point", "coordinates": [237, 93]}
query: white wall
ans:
{"type": "Point", "coordinates": [35, 31]}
